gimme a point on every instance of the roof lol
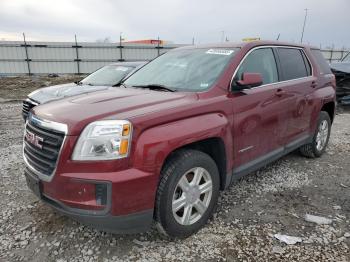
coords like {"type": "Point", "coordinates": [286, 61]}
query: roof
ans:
{"type": "Point", "coordinates": [247, 44]}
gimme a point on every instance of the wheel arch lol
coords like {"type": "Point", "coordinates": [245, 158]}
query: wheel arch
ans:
{"type": "Point", "coordinates": [215, 148]}
{"type": "Point", "coordinates": [329, 107]}
{"type": "Point", "coordinates": [209, 133]}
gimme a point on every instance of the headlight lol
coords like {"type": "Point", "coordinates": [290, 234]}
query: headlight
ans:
{"type": "Point", "coordinates": [104, 140]}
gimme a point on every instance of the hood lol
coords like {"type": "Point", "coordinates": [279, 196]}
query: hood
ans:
{"type": "Point", "coordinates": [118, 103]}
{"type": "Point", "coordinates": [56, 92]}
{"type": "Point", "coordinates": [341, 66]}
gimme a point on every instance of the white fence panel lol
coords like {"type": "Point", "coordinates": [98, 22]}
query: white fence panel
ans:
{"type": "Point", "coordinates": [99, 53]}
{"type": "Point", "coordinates": [139, 54]}
{"type": "Point", "coordinates": [53, 67]}
{"type": "Point", "coordinates": [51, 53]}
{"type": "Point", "coordinates": [88, 67]}
{"type": "Point", "coordinates": [13, 67]}
{"type": "Point", "coordinates": [63, 57]}
{"type": "Point", "coordinates": [12, 52]}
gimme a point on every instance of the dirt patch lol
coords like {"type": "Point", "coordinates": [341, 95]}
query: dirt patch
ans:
{"type": "Point", "coordinates": [17, 88]}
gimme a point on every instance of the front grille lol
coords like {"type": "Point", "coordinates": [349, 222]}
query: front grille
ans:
{"type": "Point", "coordinates": [28, 104]}
{"type": "Point", "coordinates": [41, 152]}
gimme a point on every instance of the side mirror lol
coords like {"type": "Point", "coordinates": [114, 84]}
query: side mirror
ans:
{"type": "Point", "coordinates": [249, 80]}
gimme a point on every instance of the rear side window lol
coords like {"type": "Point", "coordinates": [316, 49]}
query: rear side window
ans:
{"type": "Point", "coordinates": [322, 63]}
{"type": "Point", "coordinates": [293, 63]}
{"type": "Point", "coordinates": [307, 64]}
{"type": "Point", "coordinates": [260, 61]}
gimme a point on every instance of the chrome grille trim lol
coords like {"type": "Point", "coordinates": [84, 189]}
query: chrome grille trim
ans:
{"type": "Point", "coordinates": [46, 158]}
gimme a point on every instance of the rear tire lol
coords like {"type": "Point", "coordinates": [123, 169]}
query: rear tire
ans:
{"type": "Point", "coordinates": [320, 139]}
{"type": "Point", "coordinates": [187, 193]}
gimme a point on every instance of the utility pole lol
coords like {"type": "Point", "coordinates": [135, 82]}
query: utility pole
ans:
{"type": "Point", "coordinates": [302, 33]}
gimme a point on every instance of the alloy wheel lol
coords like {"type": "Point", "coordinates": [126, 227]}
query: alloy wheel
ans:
{"type": "Point", "coordinates": [192, 196]}
{"type": "Point", "coordinates": [322, 135]}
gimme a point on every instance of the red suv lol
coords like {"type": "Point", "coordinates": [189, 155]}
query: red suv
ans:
{"type": "Point", "coordinates": [161, 146]}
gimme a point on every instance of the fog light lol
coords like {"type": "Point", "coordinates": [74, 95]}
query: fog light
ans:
{"type": "Point", "coordinates": [101, 194]}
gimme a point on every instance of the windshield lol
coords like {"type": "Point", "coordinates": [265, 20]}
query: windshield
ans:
{"type": "Point", "coordinates": [187, 69]}
{"type": "Point", "coordinates": [347, 58]}
{"type": "Point", "coordinates": [107, 76]}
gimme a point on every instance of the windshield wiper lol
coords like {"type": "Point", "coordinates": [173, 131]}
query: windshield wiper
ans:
{"type": "Point", "coordinates": [85, 84]}
{"type": "Point", "coordinates": [156, 87]}
{"type": "Point", "coordinates": [120, 84]}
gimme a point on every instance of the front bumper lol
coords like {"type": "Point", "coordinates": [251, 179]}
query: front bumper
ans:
{"type": "Point", "coordinates": [114, 217]}
{"type": "Point", "coordinates": [126, 224]}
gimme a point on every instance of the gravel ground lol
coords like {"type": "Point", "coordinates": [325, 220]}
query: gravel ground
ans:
{"type": "Point", "coordinates": [273, 200]}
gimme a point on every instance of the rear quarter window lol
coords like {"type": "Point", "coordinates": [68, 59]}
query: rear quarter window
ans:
{"type": "Point", "coordinates": [321, 61]}
{"type": "Point", "coordinates": [293, 63]}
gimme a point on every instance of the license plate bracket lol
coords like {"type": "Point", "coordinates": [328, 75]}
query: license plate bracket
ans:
{"type": "Point", "coordinates": [34, 184]}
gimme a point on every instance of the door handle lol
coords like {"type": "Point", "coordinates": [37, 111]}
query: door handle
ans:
{"type": "Point", "coordinates": [313, 84]}
{"type": "Point", "coordinates": [280, 92]}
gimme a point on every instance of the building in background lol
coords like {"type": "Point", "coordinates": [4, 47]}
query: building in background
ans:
{"type": "Point", "coordinates": [146, 41]}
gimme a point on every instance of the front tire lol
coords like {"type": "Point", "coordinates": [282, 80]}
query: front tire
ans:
{"type": "Point", "coordinates": [187, 193]}
{"type": "Point", "coordinates": [320, 139]}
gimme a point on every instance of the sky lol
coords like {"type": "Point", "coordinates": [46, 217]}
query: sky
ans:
{"type": "Point", "coordinates": [178, 21]}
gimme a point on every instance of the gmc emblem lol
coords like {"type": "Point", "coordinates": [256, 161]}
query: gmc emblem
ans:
{"type": "Point", "coordinates": [34, 139]}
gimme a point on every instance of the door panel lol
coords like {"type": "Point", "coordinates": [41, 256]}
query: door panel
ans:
{"type": "Point", "coordinates": [256, 111]}
{"type": "Point", "coordinates": [298, 85]}
{"type": "Point", "coordinates": [259, 115]}
{"type": "Point", "coordinates": [298, 111]}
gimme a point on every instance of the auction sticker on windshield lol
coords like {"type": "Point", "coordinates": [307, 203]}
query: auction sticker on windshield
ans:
{"type": "Point", "coordinates": [220, 51]}
{"type": "Point", "coordinates": [122, 68]}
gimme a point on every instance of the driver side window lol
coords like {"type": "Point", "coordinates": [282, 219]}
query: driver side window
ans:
{"type": "Point", "coordinates": [261, 61]}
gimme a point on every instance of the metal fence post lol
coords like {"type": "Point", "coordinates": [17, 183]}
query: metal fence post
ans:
{"type": "Point", "coordinates": [342, 53]}
{"type": "Point", "coordinates": [27, 56]}
{"type": "Point", "coordinates": [158, 47]}
{"type": "Point", "coordinates": [77, 54]}
{"type": "Point", "coordinates": [331, 58]}
{"type": "Point", "coordinates": [120, 48]}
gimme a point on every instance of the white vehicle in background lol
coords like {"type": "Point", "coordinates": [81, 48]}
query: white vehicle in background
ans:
{"type": "Point", "coordinates": [104, 78]}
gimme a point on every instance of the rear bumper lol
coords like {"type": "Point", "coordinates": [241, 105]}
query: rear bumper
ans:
{"type": "Point", "coordinates": [126, 224]}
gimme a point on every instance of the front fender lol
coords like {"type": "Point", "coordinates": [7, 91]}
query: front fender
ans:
{"type": "Point", "coordinates": [155, 144]}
